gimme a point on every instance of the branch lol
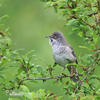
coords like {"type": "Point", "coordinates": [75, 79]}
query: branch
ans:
{"type": "Point", "coordinates": [94, 13]}
{"type": "Point", "coordinates": [91, 70]}
{"type": "Point", "coordinates": [47, 78]}
{"type": "Point", "coordinates": [43, 79]}
{"type": "Point", "coordinates": [90, 25]}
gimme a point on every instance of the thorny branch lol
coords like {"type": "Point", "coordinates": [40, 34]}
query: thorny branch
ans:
{"type": "Point", "coordinates": [89, 71]}
{"type": "Point", "coordinates": [90, 25]}
{"type": "Point", "coordinates": [43, 79]}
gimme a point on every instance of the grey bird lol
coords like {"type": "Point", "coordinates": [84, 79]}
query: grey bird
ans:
{"type": "Point", "coordinates": [63, 53]}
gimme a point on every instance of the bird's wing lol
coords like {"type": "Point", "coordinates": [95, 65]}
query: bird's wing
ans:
{"type": "Point", "coordinates": [68, 53]}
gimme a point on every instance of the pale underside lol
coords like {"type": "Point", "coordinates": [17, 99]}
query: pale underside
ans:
{"type": "Point", "coordinates": [63, 55]}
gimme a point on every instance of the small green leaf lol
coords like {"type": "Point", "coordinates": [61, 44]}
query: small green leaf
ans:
{"type": "Point", "coordinates": [95, 38]}
{"type": "Point", "coordinates": [80, 34]}
{"type": "Point", "coordinates": [24, 88]}
{"type": "Point", "coordinates": [83, 47]}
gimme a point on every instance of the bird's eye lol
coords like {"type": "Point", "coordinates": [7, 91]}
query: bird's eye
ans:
{"type": "Point", "coordinates": [51, 40]}
{"type": "Point", "coordinates": [55, 37]}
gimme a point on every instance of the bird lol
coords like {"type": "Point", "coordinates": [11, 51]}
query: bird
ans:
{"type": "Point", "coordinates": [63, 53]}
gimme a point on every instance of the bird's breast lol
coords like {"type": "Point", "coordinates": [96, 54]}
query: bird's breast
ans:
{"type": "Point", "coordinates": [59, 57]}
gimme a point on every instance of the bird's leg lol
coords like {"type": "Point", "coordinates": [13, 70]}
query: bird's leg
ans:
{"type": "Point", "coordinates": [72, 71]}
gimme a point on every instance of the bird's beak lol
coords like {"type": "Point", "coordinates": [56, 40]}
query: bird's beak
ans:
{"type": "Point", "coordinates": [47, 36]}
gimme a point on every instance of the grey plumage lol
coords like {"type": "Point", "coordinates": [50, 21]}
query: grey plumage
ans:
{"type": "Point", "coordinates": [63, 53]}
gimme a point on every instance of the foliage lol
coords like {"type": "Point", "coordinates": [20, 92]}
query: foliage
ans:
{"type": "Point", "coordinates": [39, 95]}
{"type": "Point", "coordinates": [26, 70]}
{"type": "Point", "coordinates": [83, 18]}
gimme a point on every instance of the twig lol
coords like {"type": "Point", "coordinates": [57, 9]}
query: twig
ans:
{"type": "Point", "coordinates": [43, 79]}
{"type": "Point", "coordinates": [91, 25]}
{"type": "Point", "coordinates": [47, 78]}
{"type": "Point", "coordinates": [94, 13]}
{"type": "Point", "coordinates": [49, 95]}
{"type": "Point", "coordinates": [91, 70]}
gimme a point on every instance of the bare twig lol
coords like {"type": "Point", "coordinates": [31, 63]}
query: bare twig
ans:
{"type": "Point", "coordinates": [47, 78]}
{"type": "Point", "coordinates": [94, 13]}
{"type": "Point", "coordinates": [43, 79]}
{"type": "Point", "coordinates": [90, 25]}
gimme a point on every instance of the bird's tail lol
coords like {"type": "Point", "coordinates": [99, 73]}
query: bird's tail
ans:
{"type": "Point", "coordinates": [74, 73]}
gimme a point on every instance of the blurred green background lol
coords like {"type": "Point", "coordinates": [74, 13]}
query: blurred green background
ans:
{"type": "Point", "coordinates": [29, 22]}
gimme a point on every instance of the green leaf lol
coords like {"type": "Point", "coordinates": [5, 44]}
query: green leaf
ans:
{"type": "Point", "coordinates": [80, 34]}
{"type": "Point", "coordinates": [83, 47]}
{"type": "Point", "coordinates": [39, 69]}
{"type": "Point", "coordinates": [13, 99]}
{"type": "Point", "coordinates": [95, 38]}
{"type": "Point", "coordinates": [97, 97]}
{"type": "Point", "coordinates": [88, 98]}
{"type": "Point", "coordinates": [41, 93]}
{"type": "Point", "coordinates": [24, 88]}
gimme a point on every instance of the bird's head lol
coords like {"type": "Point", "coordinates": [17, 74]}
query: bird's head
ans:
{"type": "Point", "coordinates": [56, 38]}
